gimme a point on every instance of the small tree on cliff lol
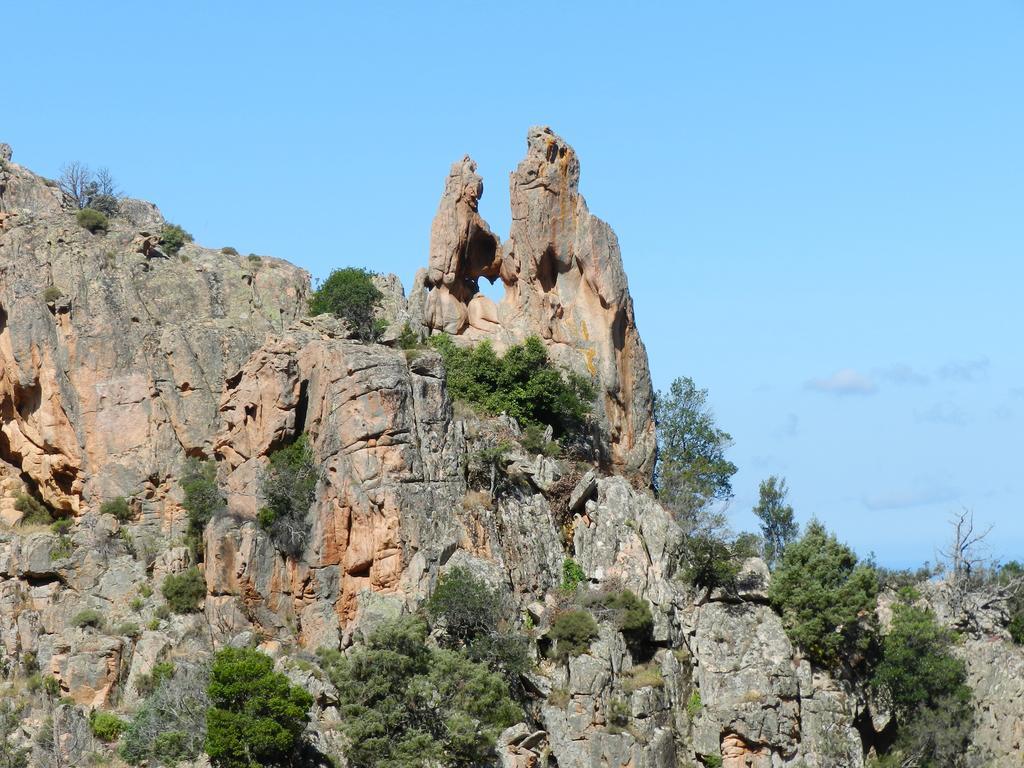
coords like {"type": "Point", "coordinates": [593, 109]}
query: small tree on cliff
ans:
{"type": "Point", "coordinates": [350, 294]}
{"type": "Point", "coordinates": [256, 716]}
{"type": "Point", "coordinates": [778, 528]}
{"type": "Point", "coordinates": [691, 472]}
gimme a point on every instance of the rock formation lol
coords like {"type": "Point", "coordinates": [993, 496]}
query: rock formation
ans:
{"type": "Point", "coordinates": [564, 282]}
{"type": "Point", "coordinates": [115, 367]}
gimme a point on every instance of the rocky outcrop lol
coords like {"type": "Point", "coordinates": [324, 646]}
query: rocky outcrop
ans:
{"type": "Point", "coordinates": [111, 363]}
{"type": "Point", "coordinates": [564, 282]}
{"type": "Point", "coordinates": [117, 362]}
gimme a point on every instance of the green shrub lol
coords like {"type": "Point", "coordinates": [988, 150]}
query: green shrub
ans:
{"type": "Point", "coordinates": [203, 499]}
{"type": "Point", "coordinates": [128, 629]}
{"type": "Point", "coordinates": [61, 548]}
{"type": "Point", "coordinates": [572, 632]}
{"type": "Point", "coordinates": [534, 440]}
{"type": "Point", "coordinates": [63, 526]}
{"type": "Point", "coordinates": [405, 703]}
{"type": "Point", "coordinates": [472, 617]}
{"type": "Point", "coordinates": [137, 604]}
{"type": "Point", "coordinates": [710, 562]}
{"type": "Point", "coordinates": [522, 383]}
{"type": "Point", "coordinates": [918, 668]}
{"type": "Point", "coordinates": [572, 575]}
{"type": "Point", "coordinates": [173, 238]}
{"type": "Point", "coordinates": [351, 295]}
{"type": "Point", "coordinates": [712, 761]}
{"type": "Point", "coordinates": [925, 684]}
{"type": "Point", "coordinates": [1013, 573]}
{"type": "Point", "coordinates": [826, 599]}
{"type": "Point", "coordinates": [288, 486]}
{"type": "Point", "coordinates": [146, 683]}
{"type": "Point", "coordinates": [32, 510]}
{"type": "Point", "coordinates": [693, 706]}
{"type": "Point", "coordinates": [146, 590]}
{"type": "Point", "coordinates": [408, 338]}
{"type": "Point", "coordinates": [92, 220]}
{"type": "Point", "coordinates": [118, 507]}
{"type": "Point", "coordinates": [256, 716]}
{"type": "Point", "coordinates": [184, 591]}
{"type": "Point", "coordinates": [106, 726]}
{"type": "Point", "coordinates": [630, 615]}
{"type": "Point", "coordinates": [170, 724]}
{"type": "Point", "coordinates": [51, 294]}
{"type": "Point", "coordinates": [229, 251]}
{"type": "Point", "coordinates": [88, 617]}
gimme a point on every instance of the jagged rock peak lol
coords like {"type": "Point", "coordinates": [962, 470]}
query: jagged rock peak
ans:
{"type": "Point", "coordinates": [564, 281]}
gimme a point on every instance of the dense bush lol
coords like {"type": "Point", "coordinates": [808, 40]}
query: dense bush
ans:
{"type": "Point", "coordinates": [1013, 572]}
{"type": "Point", "coordinates": [256, 716]}
{"type": "Point", "coordinates": [925, 684]}
{"type": "Point", "coordinates": [33, 512]}
{"type": "Point", "coordinates": [118, 507]}
{"type": "Point", "coordinates": [522, 383]}
{"type": "Point", "coordinates": [472, 617]}
{"type": "Point", "coordinates": [106, 726]}
{"type": "Point", "coordinates": [350, 294]}
{"type": "Point", "coordinates": [572, 632]}
{"type": "Point", "coordinates": [173, 238]}
{"type": "Point", "coordinates": [572, 575]}
{"type": "Point", "coordinates": [170, 724]}
{"type": "Point", "coordinates": [826, 598]}
{"type": "Point", "coordinates": [405, 704]}
{"type": "Point", "coordinates": [146, 683]}
{"type": "Point", "coordinates": [184, 591]}
{"type": "Point", "coordinates": [917, 668]}
{"type": "Point", "coordinates": [92, 220]}
{"type": "Point", "coordinates": [203, 499]}
{"type": "Point", "coordinates": [89, 617]}
{"type": "Point", "coordinates": [51, 294]}
{"type": "Point", "coordinates": [288, 485]}
{"type": "Point", "coordinates": [710, 562]}
{"type": "Point", "coordinates": [630, 615]}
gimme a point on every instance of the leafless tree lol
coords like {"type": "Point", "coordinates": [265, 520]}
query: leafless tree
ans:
{"type": "Point", "coordinates": [75, 179]}
{"type": "Point", "coordinates": [972, 585]}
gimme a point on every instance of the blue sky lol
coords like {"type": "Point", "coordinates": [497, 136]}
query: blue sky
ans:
{"type": "Point", "coordinates": [819, 203]}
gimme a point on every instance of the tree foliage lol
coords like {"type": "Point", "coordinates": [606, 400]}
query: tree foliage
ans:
{"type": "Point", "coordinates": [778, 528]}
{"type": "Point", "coordinates": [203, 499]}
{"type": "Point", "coordinates": [572, 632]}
{"type": "Point", "coordinates": [184, 591]}
{"type": "Point", "coordinates": [170, 725]}
{"type": "Point", "coordinates": [405, 704]}
{"type": "Point", "coordinates": [87, 189]}
{"type": "Point", "coordinates": [350, 294]}
{"type": "Point", "coordinates": [474, 618]}
{"type": "Point", "coordinates": [256, 716]}
{"type": "Point", "coordinates": [926, 686]}
{"type": "Point", "coordinates": [92, 220]}
{"type": "Point", "coordinates": [288, 485]}
{"type": "Point", "coordinates": [523, 383]}
{"type": "Point", "coordinates": [173, 238]}
{"type": "Point", "coordinates": [826, 598]}
{"type": "Point", "coordinates": [691, 470]}
{"type": "Point", "coordinates": [118, 507]}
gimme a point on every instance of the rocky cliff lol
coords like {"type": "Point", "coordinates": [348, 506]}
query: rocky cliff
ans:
{"type": "Point", "coordinates": [117, 363]}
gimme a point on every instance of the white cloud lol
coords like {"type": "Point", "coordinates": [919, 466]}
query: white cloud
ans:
{"type": "Point", "coordinates": [919, 494]}
{"type": "Point", "coordinates": [901, 373]}
{"type": "Point", "coordinates": [964, 370]}
{"type": "Point", "coordinates": [942, 413]}
{"type": "Point", "coordinates": [844, 382]}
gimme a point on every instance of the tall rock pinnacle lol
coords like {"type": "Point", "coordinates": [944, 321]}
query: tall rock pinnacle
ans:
{"type": "Point", "coordinates": [564, 282]}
